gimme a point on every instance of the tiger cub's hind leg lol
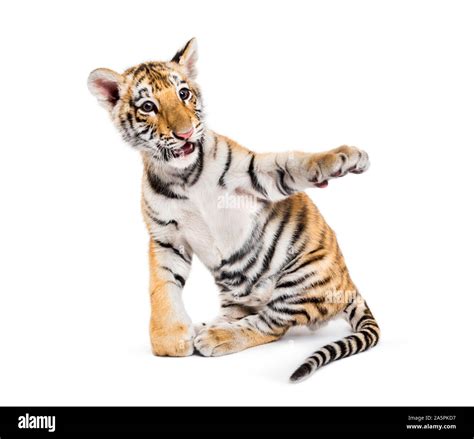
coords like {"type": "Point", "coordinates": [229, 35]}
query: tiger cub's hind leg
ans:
{"type": "Point", "coordinates": [227, 314]}
{"type": "Point", "coordinates": [229, 337]}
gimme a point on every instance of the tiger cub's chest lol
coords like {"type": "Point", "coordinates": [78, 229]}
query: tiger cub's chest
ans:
{"type": "Point", "coordinates": [217, 223]}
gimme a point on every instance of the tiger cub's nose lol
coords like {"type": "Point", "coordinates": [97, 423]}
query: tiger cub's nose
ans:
{"type": "Point", "coordinates": [185, 135]}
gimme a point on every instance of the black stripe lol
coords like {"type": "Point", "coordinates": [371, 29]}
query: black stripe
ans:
{"type": "Point", "coordinates": [199, 165]}
{"type": "Point", "coordinates": [151, 214]}
{"type": "Point", "coordinates": [367, 337]}
{"type": "Point", "coordinates": [267, 258]}
{"type": "Point", "coordinates": [282, 298]}
{"type": "Point", "coordinates": [166, 154]}
{"type": "Point", "coordinates": [270, 321]}
{"type": "Point", "coordinates": [300, 228]}
{"type": "Point", "coordinates": [346, 340]}
{"type": "Point", "coordinates": [352, 314]}
{"type": "Point", "coordinates": [177, 277]}
{"type": "Point", "coordinates": [321, 247]}
{"type": "Point", "coordinates": [271, 251]}
{"type": "Point", "coordinates": [304, 264]}
{"type": "Point", "coordinates": [305, 300]}
{"type": "Point", "coordinates": [249, 245]}
{"type": "Point", "coordinates": [162, 188]}
{"type": "Point", "coordinates": [254, 179]}
{"type": "Point", "coordinates": [125, 132]}
{"type": "Point", "coordinates": [316, 359]}
{"type": "Point", "coordinates": [332, 351]}
{"type": "Point", "coordinates": [277, 323]}
{"type": "Point", "coordinates": [324, 356]}
{"type": "Point", "coordinates": [253, 258]}
{"type": "Point", "coordinates": [167, 245]}
{"type": "Point", "coordinates": [320, 283]}
{"type": "Point", "coordinates": [294, 283]}
{"type": "Point", "coordinates": [322, 309]}
{"type": "Point", "coordinates": [374, 332]}
{"type": "Point", "coordinates": [240, 273]}
{"type": "Point", "coordinates": [143, 92]}
{"type": "Point", "coordinates": [144, 131]}
{"type": "Point", "coordinates": [130, 129]}
{"type": "Point", "coordinates": [130, 122]}
{"type": "Point", "coordinates": [297, 234]}
{"type": "Point", "coordinates": [363, 319]}
{"type": "Point", "coordinates": [359, 344]}
{"type": "Point", "coordinates": [267, 322]}
{"type": "Point", "coordinates": [228, 305]}
{"type": "Point", "coordinates": [226, 167]}
{"type": "Point", "coordinates": [187, 172]}
{"type": "Point", "coordinates": [281, 184]}
{"type": "Point", "coordinates": [161, 222]}
{"type": "Point", "coordinates": [301, 279]}
{"type": "Point", "coordinates": [342, 346]}
{"type": "Point", "coordinates": [291, 312]}
{"type": "Point", "coordinates": [141, 68]}
{"type": "Point", "coordinates": [234, 278]}
{"type": "Point", "coordinates": [288, 171]}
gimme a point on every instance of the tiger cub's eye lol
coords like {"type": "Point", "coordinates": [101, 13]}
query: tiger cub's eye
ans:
{"type": "Point", "coordinates": [184, 93]}
{"type": "Point", "coordinates": [148, 107]}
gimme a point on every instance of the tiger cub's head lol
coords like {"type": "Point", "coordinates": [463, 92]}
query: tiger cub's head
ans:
{"type": "Point", "coordinates": [156, 106]}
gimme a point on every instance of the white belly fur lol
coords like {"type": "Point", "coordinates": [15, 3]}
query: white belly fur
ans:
{"type": "Point", "coordinates": [217, 224]}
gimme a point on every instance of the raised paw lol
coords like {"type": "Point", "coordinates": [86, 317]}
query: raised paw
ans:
{"type": "Point", "coordinates": [174, 341]}
{"type": "Point", "coordinates": [337, 163]}
{"type": "Point", "coordinates": [214, 341]}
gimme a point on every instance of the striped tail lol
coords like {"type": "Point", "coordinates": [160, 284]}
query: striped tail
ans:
{"type": "Point", "coordinates": [366, 335]}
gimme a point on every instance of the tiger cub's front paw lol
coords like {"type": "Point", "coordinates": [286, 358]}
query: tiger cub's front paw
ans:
{"type": "Point", "coordinates": [174, 341]}
{"type": "Point", "coordinates": [214, 341]}
{"type": "Point", "coordinates": [337, 163]}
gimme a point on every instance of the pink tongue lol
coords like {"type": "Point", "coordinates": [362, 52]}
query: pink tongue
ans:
{"type": "Point", "coordinates": [187, 148]}
{"type": "Point", "coordinates": [322, 184]}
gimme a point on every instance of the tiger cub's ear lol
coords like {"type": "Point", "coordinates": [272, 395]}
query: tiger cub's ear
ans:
{"type": "Point", "coordinates": [187, 57]}
{"type": "Point", "coordinates": [104, 84]}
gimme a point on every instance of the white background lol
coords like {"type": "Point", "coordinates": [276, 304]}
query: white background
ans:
{"type": "Point", "coordinates": [395, 78]}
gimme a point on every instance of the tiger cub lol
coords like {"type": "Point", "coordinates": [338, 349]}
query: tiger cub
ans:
{"type": "Point", "coordinates": [275, 261]}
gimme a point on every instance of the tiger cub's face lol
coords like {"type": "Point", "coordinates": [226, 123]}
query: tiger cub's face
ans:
{"type": "Point", "coordinates": [156, 106]}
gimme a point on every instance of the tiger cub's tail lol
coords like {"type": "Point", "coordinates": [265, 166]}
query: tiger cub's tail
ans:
{"type": "Point", "coordinates": [366, 335]}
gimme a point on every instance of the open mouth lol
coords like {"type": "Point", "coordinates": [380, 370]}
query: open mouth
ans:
{"type": "Point", "coordinates": [185, 150]}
